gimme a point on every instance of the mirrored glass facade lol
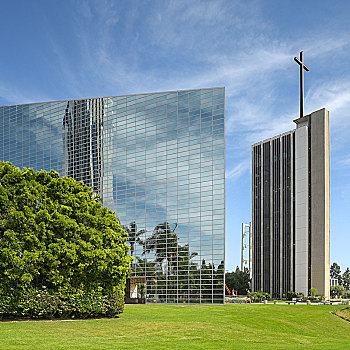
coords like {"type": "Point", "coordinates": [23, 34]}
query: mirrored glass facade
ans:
{"type": "Point", "coordinates": [158, 161]}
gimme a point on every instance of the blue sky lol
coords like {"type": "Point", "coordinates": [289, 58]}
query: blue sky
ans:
{"type": "Point", "coordinates": [53, 50]}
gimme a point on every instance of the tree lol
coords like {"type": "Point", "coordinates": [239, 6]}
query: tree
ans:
{"type": "Point", "coordinates": [335, 272]}
{"type": "Point", "coordinates": [337, 291]}
{"type": "Point", "coordinates": [54, 232]}
{"type": "Point", "coordinates": [346, 279]}
{"type": "Point", "coordinates": [238, 280]}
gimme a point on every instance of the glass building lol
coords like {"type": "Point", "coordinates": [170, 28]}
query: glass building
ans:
{"type": "Point", "coordinates": [158, 161]}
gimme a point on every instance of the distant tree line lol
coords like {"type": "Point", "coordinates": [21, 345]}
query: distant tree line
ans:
{"type": "Point", "coordinates": [238, 280]}
{"type": "Point", "coordinates": [342, 278]}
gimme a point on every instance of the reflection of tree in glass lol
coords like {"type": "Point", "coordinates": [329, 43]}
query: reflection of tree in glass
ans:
{"type": "Point", "coordinates": [185, 256]}
{"type": "Point", "coordinates": [212, 281]}
{"type": "Point", "coordinates": [134, 235]}
{"type": "Point", "coordinates": [173, 271]}
{"type": "Point", "coordinates": [142, 265]}
{"type": "Point", "coordinates": [164, 242]}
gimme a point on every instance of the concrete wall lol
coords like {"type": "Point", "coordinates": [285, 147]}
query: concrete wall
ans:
{"type": "Point", "coordinates": [320, 202]}
{"type": "Point", "coordinates": [301, 209]}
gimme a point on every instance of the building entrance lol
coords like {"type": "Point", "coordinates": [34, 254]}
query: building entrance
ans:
{"type": "Point", "coordinates": [135, 290]}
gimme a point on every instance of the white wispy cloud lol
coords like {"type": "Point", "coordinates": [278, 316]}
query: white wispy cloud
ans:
{"type": "Point", "coordinates": [14, 95]}
{"type": "Point", "coordinates": [238, 170]}
{"type": "Point", "coordinates": [335, 95]}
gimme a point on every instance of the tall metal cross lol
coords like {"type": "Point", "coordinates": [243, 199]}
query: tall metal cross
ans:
{"type": "Point", "coordinates": [302, 67]}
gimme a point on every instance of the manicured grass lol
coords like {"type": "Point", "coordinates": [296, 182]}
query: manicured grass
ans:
{"type": "Point", "coordinates": [189, 327]}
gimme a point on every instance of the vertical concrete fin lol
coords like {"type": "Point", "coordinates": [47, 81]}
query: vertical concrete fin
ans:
{"type": "Point", "coordinates": [320, 201]}
{"type": "Point", "coordinates": [301, 209]}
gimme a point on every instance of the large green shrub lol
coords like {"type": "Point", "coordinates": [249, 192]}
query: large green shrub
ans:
{"type": "Point", "coordinates": [56, 236]}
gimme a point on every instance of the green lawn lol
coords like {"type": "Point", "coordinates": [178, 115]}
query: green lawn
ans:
{"type": "Point", "coordinates": [189, 327]}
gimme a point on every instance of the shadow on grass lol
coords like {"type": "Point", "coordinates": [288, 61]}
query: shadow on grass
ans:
{"type": "Point", "coordinates": [343, 313]}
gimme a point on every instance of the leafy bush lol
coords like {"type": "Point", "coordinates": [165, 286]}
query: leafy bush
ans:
{"type": "Point", "coordinates": [258, 297]}
{"type": "Point", "coordinates": [55, 233]}
{"type": "Point", "coordinates": [291, 295]}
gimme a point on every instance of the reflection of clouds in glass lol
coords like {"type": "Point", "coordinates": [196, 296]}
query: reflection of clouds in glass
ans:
{"type": "Point", "coordinates": [31, 135]}
{"type": "Point", "coordinates": [171, 162]}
